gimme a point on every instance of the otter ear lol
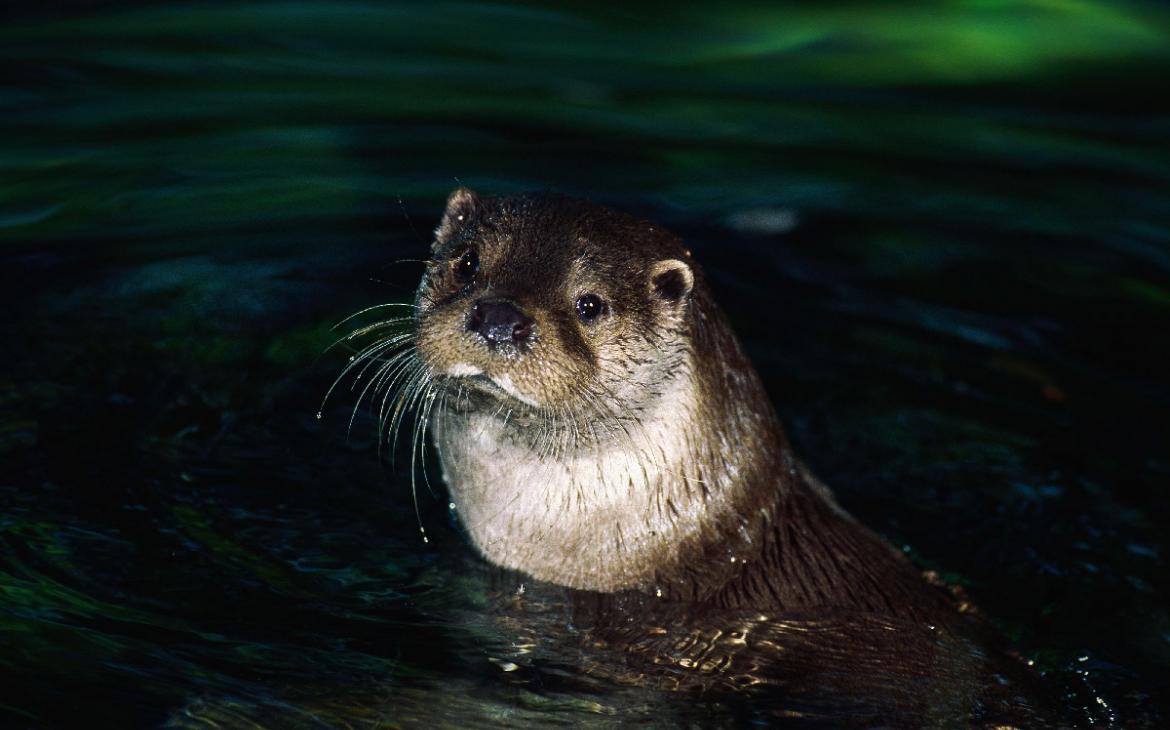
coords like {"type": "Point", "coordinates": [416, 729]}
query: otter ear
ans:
{"type": "Point", "coordinates": [671, 280]}
{"type": "Point", "coordinates": [460, 205]}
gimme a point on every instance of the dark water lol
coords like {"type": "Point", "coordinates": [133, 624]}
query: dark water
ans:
{"type": "Point", "coordinates": [942, 230]}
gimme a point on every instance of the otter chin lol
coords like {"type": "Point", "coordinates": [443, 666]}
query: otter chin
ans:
{"type": "Point", "coordinates": [603, 430]}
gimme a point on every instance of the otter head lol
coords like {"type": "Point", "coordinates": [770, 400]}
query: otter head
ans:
{"type": "Point", "coordinates": [561, 335]}
{"type": "Point", "coordinates": [554, 308]}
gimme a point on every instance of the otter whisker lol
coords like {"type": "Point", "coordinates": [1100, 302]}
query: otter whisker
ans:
{"type": "Point", "coordinates": [372, 350]}
{"type": "Point", "coordinates": [370, 309]}
{"type": "Point", "coordinates": [389, 373]}
{"type": "Point", "coordinates": [358, 360]}
{"type": "Point", "coordinates": [419, 421]}
{"type": "Point", "coordinates": [362, 331]}
{"type": "Point", "coordinates": [422, 423]}
{"type": "Point", "coordinates": [375, 382]}
{"type": "Point", "coordinates": [411, 375]}
{"type": "Point", "coordinates": [415, 386]}
{"type": "Point", "coordinates": [374, 355]}
{"type": "Point", "coordinates": [439, 417]}
{"type": "Point", "coordinates": [434, 389]}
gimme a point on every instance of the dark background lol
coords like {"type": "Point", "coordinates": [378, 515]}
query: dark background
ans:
{"type": "Point", "coordinates": [941, 229]}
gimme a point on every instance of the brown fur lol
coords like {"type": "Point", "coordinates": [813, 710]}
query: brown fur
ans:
{"type": "Point", "coordinates": [722, 514]}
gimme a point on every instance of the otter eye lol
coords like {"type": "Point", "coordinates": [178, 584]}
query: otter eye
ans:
{"type": "Point", "coordinates": [467, 265]}
{"type": "Point", "coordinates": [589, 308]}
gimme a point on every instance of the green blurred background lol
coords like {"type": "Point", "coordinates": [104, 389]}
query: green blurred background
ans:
{"type": "Point", "coordinates": [942, 229]}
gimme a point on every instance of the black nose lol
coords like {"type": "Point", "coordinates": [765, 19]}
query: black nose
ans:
{"type": "Point", "coordinates": [499, 321]}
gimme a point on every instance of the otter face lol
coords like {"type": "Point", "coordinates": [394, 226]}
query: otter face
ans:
{"type": "Point", "coordinates": [561, 357]}
{"type": "Point", "coordinates": [554, 308]}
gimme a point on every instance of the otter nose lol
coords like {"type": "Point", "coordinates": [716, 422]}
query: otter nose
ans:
{"type": "Point", "coordinates": [499, 321]}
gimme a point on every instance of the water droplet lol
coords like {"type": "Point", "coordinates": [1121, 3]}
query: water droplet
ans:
{"type": "Point", "coordinates": [658, 592]}
{"type": "Point", "coordinates": [426, 541]}
{"type": "Point", "coordinates": [451, 506]}
{"type": "Point", "coordinates": [319, 415]}
{"type": "Point", "coordinates": [352, 358]}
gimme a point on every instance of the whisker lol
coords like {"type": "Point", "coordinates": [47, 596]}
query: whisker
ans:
{"type": "Point", "coordinates": [354, 362]}
{"type": "Point", "coordinates": [378, 357]}
{"type": "Point", "coordinates": [386, 323]}
{"type": "Point", "coordinates": [370, 309]}
{"type": "Point", "coordinates": [381, 374]}
{"type": "Point", "coordinates": [415, 383]}
{"type": "Point", "coordinates": [398, 388]}
{"type": "Point", "coordinates": [388, 372]}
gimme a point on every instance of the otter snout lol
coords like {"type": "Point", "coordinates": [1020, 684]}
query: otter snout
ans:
{"type": "Point", "coordinates": [499, 322]}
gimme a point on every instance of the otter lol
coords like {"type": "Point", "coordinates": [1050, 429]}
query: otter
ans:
{"type": "Point", "coordinates": [611, 435]}
{"type": "Point", "coordinates": [600, 429]}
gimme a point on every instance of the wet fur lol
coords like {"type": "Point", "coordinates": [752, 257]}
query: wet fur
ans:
{"type": "Point", "coordinates": [639, 463]}
{"type": "Point", "coordinates": [637, 454]}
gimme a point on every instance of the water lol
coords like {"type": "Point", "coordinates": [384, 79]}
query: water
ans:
{"type": "Point", "coordinates": [942, 233]}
